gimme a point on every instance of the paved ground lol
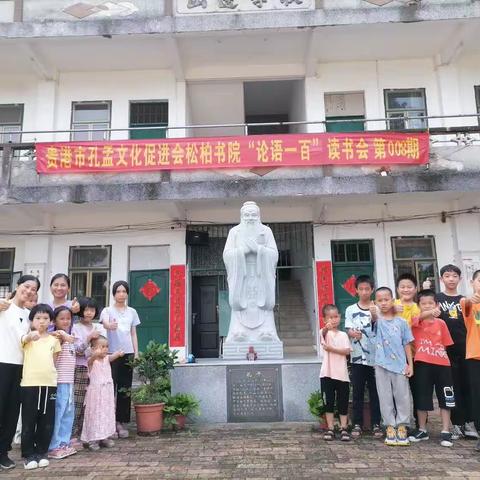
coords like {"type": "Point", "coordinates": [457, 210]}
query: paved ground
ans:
{"type": "Point", "coordinates": [259, 451]}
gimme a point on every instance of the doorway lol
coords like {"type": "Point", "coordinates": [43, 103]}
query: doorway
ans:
{"type": "Point", "coordinates": [351, 258]}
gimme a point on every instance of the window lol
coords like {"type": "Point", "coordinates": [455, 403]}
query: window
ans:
{"type": "Point", "coordinates": [477, 101]}
{"type": "Point", "coordinates": [347, 110]}
{"type": "Point", "coordinates": [405, 106]}
{"type": "Point", "coordinates": [11, 119]}
{"type": "Point", "coordinates": [415, 255]}
{"type": "Point", "coordinates": [93, 117]}
{"type": "Point", "coordinates": [89, 270]}
{"type": "Point", "coordinates": [7, 256]}
{"type": "Point", "coordinates": [352, 251]}
{"type": "Point", "coordinates": [148, 114]}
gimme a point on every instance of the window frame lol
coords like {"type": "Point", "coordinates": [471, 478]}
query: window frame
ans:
{"type": "Point", "coordinates": [404, 118]}
{"type": "Point", "coordinates": [16, 126]}
{"type": "Point", "coordinates": [90, 125]}
{"type": "Point", "coordinates": [162, 126]}
{"type": "Point", "coordinates": [344, 243]}
{"type": "Point", "coordinates": [89, 271]}
{"type": "Point", "coordinates": [9, 271]}
{"type": "Point", "coordinates": [477, 100]}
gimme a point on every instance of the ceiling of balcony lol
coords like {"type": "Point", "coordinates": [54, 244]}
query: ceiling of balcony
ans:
{"type": "Point", "coordinates": [234, 54]}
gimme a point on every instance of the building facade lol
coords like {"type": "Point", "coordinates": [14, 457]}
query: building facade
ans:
{"type": "Point", "coordinates": [111, 71]}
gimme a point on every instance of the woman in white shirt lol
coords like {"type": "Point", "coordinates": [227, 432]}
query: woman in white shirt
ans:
{"type": "Point", "coordinates": [121, 322]}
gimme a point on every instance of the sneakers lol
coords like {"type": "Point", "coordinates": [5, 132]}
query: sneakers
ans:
{"type": "Point", "coordinates": [107, 443]}
{"type": "Point", "coordinates": [446, 439]}
{"type": "Point", "coordinates": [122, 431]}
{"type": "Point", "coordinates": [418, 436]}
{"type": "Point", "coordinates": [470, 431]}
{"type": "Point", "coordinates": [93, 446]}
{"type": "Point", "coordinates": [57, 453]}
{"type": "Point", "coordinates": [402, 436]}
{"type": "Point", "coordinates": [76, 443]}
{"type": "Point", "coordinates": [457, 432]}
{"type": "Point", "coordinates": [5, 462]}
{"type": "Point", "coordinates": [30, 463]}
{"type": "Point", "coordinates": [43, 462]}
{"type": "Point", "coordinates": [390, 436]}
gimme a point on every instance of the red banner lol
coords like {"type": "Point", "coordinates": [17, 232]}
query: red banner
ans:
{"type": "Point", "coordinates": [324, 287]}
{"type": "Point", "coordinates": [177, 306]}
{"type": "Point", "coordinates": [290, 150]}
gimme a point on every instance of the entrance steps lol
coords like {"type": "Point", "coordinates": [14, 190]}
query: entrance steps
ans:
{"type": "Point", "coordinates": [292, 322]}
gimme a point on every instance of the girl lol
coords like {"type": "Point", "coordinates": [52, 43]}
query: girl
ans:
{"type": "Point", "coordinates": [60, 286]}
{"type": "Point", "coordinates": [84, 332]}
{"type": "Point", "coordinates": [64, 409]}
{"type": "Point", "coordinates": [39, 386]}
{"type": "Point", "coordinates": [14, 323]}
{"type": "Point", "coordinates": [121, 323]}
{"type": "Point", "coordinates": [99, 420]}
{"type": "Point", "coordinates": [333, 373]}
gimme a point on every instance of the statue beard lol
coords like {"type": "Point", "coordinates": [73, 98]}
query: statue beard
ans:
{"type": "Point", "coordinates": [251, 230]}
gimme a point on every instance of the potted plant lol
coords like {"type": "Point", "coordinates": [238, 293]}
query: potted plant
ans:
{"type": "Point", "coordinates": [316, 406]}
{"type": "Point", "coordinates": [178, 407]}
{"type": "Point", "coordinates": [153, 366]}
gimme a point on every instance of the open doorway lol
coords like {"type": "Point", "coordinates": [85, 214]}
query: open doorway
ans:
{"type": "Point", "coordinates": [274, 101]}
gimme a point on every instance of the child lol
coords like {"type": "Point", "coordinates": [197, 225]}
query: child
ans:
{"type": "Point", "coordinates": [64, 409]}
{"type": "Point", "coordinates": [451, 314]}
{"type": "Point", "coordinates": [39, 387]}
{"type": "Point", "coordinates": [405, 304]}
{"type": "Point", "coordinates": [393, 365]}
{"type": "Point", "coordinates": [84, 332]}
{"type": "Point", "coordinates": [358, 323]}
{"type": "Point", "coordinates": [99, 420]}
{"type": "Point", "coordinates": [471, 314]}
{"type": "Point", "coordinates": [432, 367]}
{"type": "Point", "coordinates": [333, 373]}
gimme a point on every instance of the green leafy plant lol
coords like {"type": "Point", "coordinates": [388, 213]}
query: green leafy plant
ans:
{"type": "Point", "coordinates": [316, 404]}
{"type": "Point", "coordinates": [153, 368]}
{"type": "Point", "coordinates": [180, 404]}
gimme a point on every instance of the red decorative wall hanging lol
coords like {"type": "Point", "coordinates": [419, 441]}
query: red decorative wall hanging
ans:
{"type": "Point", "coordinates": [150, 290]}
{"type": "Point", "coordinates": [324, 286]}
{"type": "Point", "coordinates": [349, 286]}
{"type": "Point", "coordinates": [177, 306]}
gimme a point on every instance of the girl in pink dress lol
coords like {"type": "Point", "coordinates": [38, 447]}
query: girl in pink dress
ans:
{"type": "Point", "coordinates": [99, 420]}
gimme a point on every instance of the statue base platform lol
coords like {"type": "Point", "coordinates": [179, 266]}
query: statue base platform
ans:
{"type": "Point", "coordinates": [264, 350]}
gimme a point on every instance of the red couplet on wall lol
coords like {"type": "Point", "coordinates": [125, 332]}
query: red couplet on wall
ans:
{"type": "Point", "coordinates": [177, 306]}
{"type": "Point", "coordinates": [289, 150]}
{"type": "Point", "coordinates": [324, 286]}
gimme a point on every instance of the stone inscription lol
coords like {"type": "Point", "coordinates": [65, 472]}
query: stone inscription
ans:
{"type": "Point", "coordinates": [219, 6]}
{"type": "Point", "coordinates": [254, 393]}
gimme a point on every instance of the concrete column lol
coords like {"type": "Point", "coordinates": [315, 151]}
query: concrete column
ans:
{"type": "Point", "coordinates": [46, 107]}
{"type": "Point", "coordinates": [449, 93]}
{"type": "Point", "coordinates": [178, 112]}
{"type": "Point", "coordinates": [314, 104]}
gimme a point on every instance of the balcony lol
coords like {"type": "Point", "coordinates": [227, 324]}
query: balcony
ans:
{"type": "Point", "coordinates": [453, 166]}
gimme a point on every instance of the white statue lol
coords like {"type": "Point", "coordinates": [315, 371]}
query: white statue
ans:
{"type": "Point", "coordinates": [250, 257]}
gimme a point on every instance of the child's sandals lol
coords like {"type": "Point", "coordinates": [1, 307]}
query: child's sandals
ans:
{"type": "Point", "coordinates": [329, 435]}
{"type": "Point", "coordinates": [345, 436]}
{"type": "Point", "coordinates": [377, 431]}
{"type": "Point", "coordinates": [356, 431]}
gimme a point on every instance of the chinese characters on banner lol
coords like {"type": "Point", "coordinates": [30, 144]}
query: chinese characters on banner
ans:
{"type": "Point", "coordinates": [177, 306]}
{"type": "Point", "coordinates": [295, 150]}
{"type": "Point", "coordinates": [324, 287]}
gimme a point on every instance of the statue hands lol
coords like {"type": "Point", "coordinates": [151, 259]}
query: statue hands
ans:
{"type": "Point", "coordinates": [251, 245]}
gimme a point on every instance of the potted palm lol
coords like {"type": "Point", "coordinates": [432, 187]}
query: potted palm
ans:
{"type": "Point", "coordinates": [178, 407]}
{"type": "Point", "coordinates": [153, 368]}
{"type": "Point", "coordinates": [317, 408]}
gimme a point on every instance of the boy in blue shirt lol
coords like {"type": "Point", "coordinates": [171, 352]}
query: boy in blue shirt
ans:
{"type": "Point", "coordinates": [393, 367]}
{"type": "Point", "coordinates": [358, 324]}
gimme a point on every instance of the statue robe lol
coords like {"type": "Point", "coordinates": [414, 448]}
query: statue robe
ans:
{"type": "Point", "coordinates": [239, 275]}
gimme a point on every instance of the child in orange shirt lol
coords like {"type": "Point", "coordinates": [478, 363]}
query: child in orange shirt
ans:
{"type": "Point", "coordinates": [471, 315]}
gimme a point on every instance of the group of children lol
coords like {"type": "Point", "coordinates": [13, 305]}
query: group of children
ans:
{"type": "Point", "coordinates": [401, 349]}
{"type": "Point", "coordinates": [59, 371]}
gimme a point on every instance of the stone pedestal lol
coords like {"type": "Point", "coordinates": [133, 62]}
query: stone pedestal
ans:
{"type": "Point", "coordinates": [264, 350]}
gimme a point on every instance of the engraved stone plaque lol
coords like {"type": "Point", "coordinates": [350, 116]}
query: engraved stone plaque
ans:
{"type": "Point", "coordinates": [254, 393]}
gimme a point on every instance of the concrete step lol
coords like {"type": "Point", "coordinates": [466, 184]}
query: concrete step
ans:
{"type": "Point", "coordinates": [290, 334]}
{"type": "Point", "coordinates": [296, 342]}
{"type": "Point", "coordinates": [296, 350]}
{"type": "Point", "coordinates": [294, 331]}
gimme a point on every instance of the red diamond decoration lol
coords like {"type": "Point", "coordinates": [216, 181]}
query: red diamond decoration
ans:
{"type": "Point", "coordinates": [349, 286]}
{"type": "Point", "coordinates": [150, 289]}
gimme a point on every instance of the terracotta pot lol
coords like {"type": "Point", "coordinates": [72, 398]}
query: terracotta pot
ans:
{"type": "Point", "coordinates": [180, 419]}
{"type": "Point", "coordinates": [149, 417]}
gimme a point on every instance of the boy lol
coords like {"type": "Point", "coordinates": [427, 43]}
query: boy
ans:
{"type": "Point", "coordinates": [393, 367]}
{"type": "Point", "coordinates": [432, 368]}
{"type": "Point", "coordinates": [358, 323]}
{"type": "Point", "coordinates": [471, 314]}
{"type": "Point", "coordinates": [334, 373]}
{"type": "Point", "coordinates": [405, 304]}
{"type": "Point", "coordinates": [451, 314]}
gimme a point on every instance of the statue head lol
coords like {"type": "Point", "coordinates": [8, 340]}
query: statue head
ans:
{"type": "Point", "coordinates": [250, 213]}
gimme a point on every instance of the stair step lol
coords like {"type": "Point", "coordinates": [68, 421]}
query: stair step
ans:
{"type": "Point", "coordinates": [297, 342]}
{"type": "Point", "coordinates": [290, 334]}
{"type": "Point", "coordinates": [299, 350]}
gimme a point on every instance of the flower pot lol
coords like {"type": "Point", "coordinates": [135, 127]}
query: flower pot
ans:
{"type": "Point", "coordinates": [180, 422]}
{"type": "Point", "coordinates": [149, 417]}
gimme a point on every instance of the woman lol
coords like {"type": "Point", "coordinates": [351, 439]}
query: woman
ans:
{"type": "Point", "coordinates": [121, 322]}
{"type": "Point", "coordinates": [14, 324]}
{"type": "Point", "coordinates": [60, 287]}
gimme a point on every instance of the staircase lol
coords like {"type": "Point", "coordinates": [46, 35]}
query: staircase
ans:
{"type": "Point", "coordinates": [292, 323]}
